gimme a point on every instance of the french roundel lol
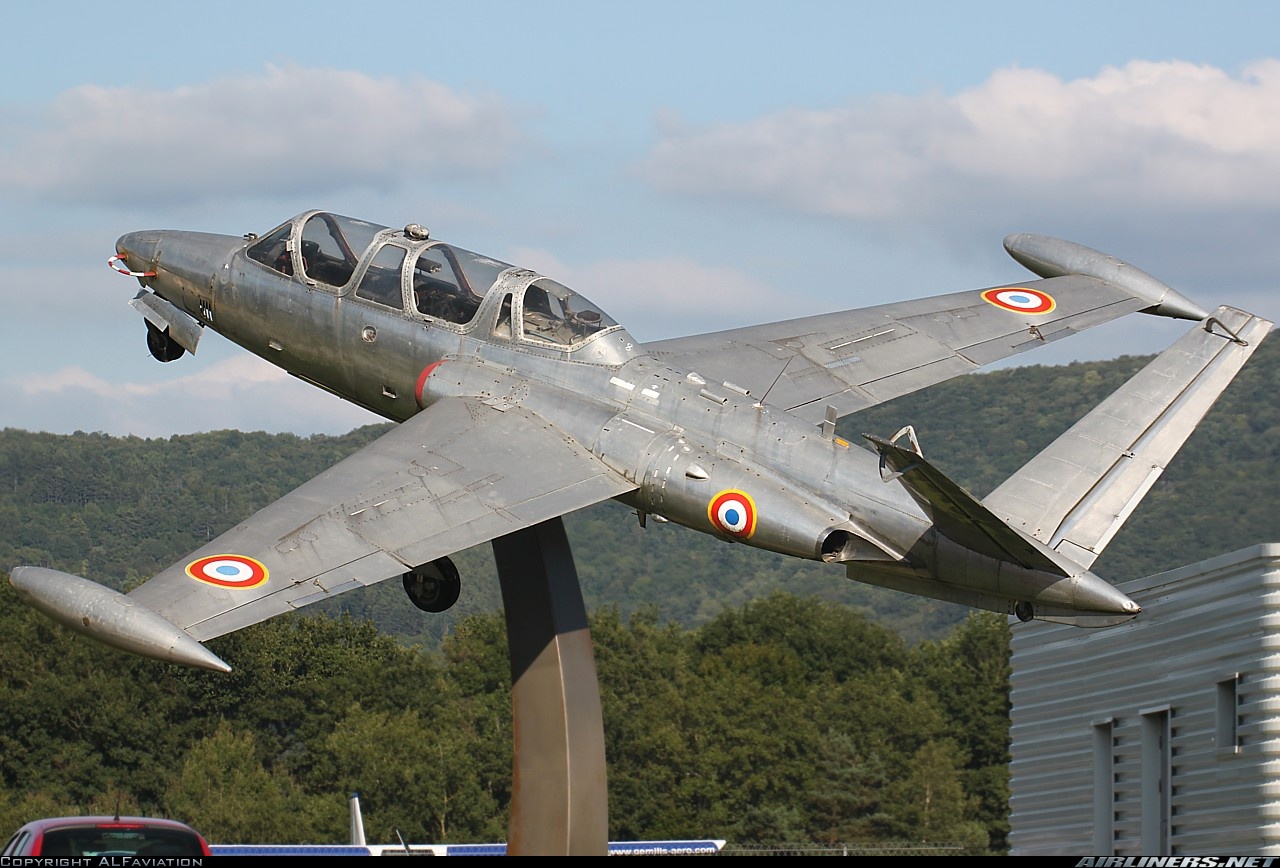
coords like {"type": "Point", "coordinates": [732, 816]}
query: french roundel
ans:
{"type": "Point", "coordinates": [1019, 299]}
{"type": "Point", "coordinates": [733, 512]}
{"type": "Point", "coordinates": [228, 571]}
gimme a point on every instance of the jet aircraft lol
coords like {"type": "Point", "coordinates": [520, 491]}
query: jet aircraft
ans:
{"type": "Point", "coordinates": [519, 400]}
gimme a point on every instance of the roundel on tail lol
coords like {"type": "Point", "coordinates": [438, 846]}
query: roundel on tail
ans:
{"type": "Point", "coordinates": [733, 512]}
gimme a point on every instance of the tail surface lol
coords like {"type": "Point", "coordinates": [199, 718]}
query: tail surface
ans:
{"type": "Point", "coordinates": [1027, 548]}
{"type": "Point", "coordinates": [1076, 494]}
{"type": "Point", "coordinates": [976, 559]}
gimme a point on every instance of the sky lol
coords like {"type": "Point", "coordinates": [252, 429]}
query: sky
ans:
{"type": "Point", "coordinates": [688, 166]}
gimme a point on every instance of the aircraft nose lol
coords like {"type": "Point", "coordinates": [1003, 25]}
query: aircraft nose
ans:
{"type": "Point", "coordinates": [138, 250]}
{"type": "Point", "coordinates": [172, 255]}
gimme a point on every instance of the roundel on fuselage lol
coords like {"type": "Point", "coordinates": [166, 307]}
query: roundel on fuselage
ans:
{"type": "Point", "coordinates": [733, 512]}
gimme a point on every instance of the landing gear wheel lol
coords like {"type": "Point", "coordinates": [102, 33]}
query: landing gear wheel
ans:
{"type": "Point", "coordinates": [1025, 611]}
{"type": "Point", "coordinates": [433, 587]}
{"type": "Point", "coordinates": [162, 346]}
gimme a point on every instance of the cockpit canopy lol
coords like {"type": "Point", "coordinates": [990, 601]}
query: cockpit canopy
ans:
{"type": "Point", "coordinates": [406, 271]}
{"type": "Point", "coordinates": [552, 314]}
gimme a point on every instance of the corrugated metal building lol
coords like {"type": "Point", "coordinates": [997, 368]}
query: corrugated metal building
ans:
{"type": "Point", "coordinates": [1160, 736]}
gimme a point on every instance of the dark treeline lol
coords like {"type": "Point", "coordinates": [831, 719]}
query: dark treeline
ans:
{"type": "Point", "coordinates": [731, 710]}
{"type": "Point", "coordinates": [790, 719]}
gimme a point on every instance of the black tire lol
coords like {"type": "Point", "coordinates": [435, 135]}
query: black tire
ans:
{"type": "Point", "coordinates": [162, 346]}
{"type": "Point", "coordinates": [433, 587]}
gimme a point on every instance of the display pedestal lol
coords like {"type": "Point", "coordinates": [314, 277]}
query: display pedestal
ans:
{"type": "Point", "coordinates": [559, 798]}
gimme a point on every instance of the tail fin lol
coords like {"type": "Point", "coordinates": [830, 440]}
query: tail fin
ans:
{"type": "Point", "coordinates": [357, 820]}
{"type": "Point", "coordinates": [1076, 494]}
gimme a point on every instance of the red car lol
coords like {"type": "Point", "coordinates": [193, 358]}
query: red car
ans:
{"type": "Point", "coordinates": [62, 837]}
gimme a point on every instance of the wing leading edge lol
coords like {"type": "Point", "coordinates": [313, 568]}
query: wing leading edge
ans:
{"type": "Point", "coordinates": [855, 359]}
{"type": "Point", "coordinates": [457, 474]}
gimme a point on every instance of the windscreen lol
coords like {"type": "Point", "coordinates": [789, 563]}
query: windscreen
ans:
{"type": "Point", "coordinates": [123, 840]}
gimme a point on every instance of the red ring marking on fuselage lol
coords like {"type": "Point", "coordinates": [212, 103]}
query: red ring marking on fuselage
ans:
{"type": "Point", "coordinates": [735, 499]}
{"type": "Point", "coordinates": [422, 382]}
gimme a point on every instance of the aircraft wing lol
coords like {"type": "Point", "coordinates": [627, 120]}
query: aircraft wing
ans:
{"type": "Point", "coordinates": [459, 473]}
{"type": "Point", "coordinates": [858, 358]}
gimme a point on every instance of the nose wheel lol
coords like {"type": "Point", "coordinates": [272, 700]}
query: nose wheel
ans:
{"type": "Point", "coordinates": [162, 345]}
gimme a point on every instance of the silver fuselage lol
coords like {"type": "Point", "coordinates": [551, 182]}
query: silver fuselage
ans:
{"type": "Point", "coordinates": [681, 440]}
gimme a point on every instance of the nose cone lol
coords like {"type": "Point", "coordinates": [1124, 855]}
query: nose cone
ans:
{"type": "Point", "coordinates": [177, 257]}
{"type": "Point", "coordinates": [139, 250]}
{"type": "Point", "coordinates": [137, 241]}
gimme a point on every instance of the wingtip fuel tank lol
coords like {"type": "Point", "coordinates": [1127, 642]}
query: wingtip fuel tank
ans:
{"type": "Point", "coordinates": [110, 617]}
{"type": "Point", "coordinates": [1054, 257]}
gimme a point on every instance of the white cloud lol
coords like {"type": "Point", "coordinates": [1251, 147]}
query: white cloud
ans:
{"type": "Point", "coordinates": [242, 392]}
{"type": "Point", "coordinates": [661, 298]}
{"type": "Point", "coordinates": [1143, 138]}
{"type": "Point", "coordinates": [278, 133]}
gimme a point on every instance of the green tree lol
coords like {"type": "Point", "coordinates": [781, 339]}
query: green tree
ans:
{"type": "Point", "coordinates": [969, 673]}
{"type": "Point", "coordinates": [930, 804]}
{"type": "Point", "coordinates": [226, 793]}
{"type": "Point", "coordinates": [416, 778]}
{"type": "Point", "coordinates": [844, 803]}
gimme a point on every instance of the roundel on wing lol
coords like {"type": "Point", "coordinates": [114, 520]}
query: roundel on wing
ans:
{"type": "Point", "coordinates": [228, 571]}
{"type": "Point", "coordinates": [733, 512]}
{"type": "Point", "coordinates": [1019, 299]}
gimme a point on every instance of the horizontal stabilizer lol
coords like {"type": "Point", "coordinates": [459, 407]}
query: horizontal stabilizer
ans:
{"type": "Point", "coordinates": [1076, 494]}
{"type": "Point", "coordinates": [958, 514]}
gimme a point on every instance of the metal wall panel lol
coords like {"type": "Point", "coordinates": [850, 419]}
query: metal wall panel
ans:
{"type": "Point", "coordinates": [1202, 625]}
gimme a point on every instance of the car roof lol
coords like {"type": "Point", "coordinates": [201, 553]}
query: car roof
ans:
{"type": "Point", "coordinates": [60, 822]}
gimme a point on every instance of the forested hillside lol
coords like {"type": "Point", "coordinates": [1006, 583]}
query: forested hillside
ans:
{"type": "Point", "coordinates": [746, 696]}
